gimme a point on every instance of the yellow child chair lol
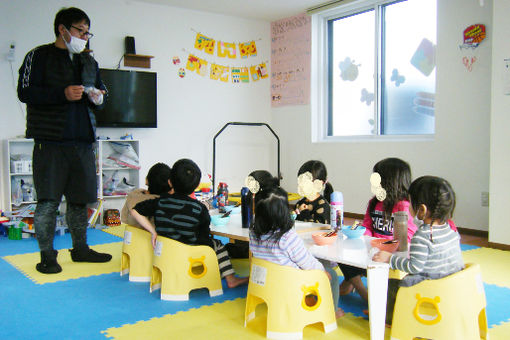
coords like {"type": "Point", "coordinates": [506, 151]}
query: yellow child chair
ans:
{"type": "Point", "coordinates": [284, 289]}
{"type": "Point", "coordinates": [178, 268]}
{"type": "Point", "coordinates": [449, 308]}
{"type": "Point", "coordinates": [136, 254]}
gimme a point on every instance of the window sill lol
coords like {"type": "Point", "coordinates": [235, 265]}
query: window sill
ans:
{"type": "Point", "coordinates": [376, 139]}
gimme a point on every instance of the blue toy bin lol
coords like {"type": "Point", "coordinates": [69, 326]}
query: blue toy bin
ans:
{"type": "Point", "coordinates": [233, 208]}
{"type": "Point", "coordinates": [350, 233]}
{"type": "Point", "coordinates": [219, 221]}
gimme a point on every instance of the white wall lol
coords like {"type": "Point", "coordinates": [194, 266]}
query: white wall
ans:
{"type": "Point", "coordinates": [193, 109]}
{"type": "Point", "coordinates": [190, 110]}
{"type": "Point", "coordinates": [500, 121]}
{"type": "Point", "coordinates": [460, 149]}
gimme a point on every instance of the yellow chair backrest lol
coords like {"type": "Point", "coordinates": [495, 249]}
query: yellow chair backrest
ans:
{"type": "Point", "coordinates": [285, 289]}
{"type": "Point", "coordinates": [449, 308]}
{"type": "Point", "coordinates": [179, 268]}
{"type": "Point", "coordinates": [136, 254]}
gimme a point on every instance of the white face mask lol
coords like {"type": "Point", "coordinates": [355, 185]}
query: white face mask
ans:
{"type": "Point", "coordinates": [76, 45]}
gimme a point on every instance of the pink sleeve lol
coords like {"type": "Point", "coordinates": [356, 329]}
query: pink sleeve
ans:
{"type": "Point", "coordinates": [411, 228]}
{"type": "Point", "coordinates": [367, 223]}
{"type": "Point", "coordinates": [452, 225]}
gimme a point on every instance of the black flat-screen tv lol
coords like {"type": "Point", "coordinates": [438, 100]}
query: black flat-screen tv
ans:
{"type": "Point", "coordinates": [132, 99]}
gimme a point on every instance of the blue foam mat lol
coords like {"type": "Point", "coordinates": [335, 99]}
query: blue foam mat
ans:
{"type": "Point", "coordinates": [82, 308]}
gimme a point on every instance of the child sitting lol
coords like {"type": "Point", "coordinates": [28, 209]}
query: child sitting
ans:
{"type": "Point", "coordinates": [312, 179]}
{"type": "Point", "coordinates": [435, 248]}
{"type": "Point", "coordinates": [273, 239]}
{"type": "Point", "coordinates": [157, 181]}
{"type": "Point", "coordinates": [184, 219]}
{"type": "Point", "coordinates": [390, 196]}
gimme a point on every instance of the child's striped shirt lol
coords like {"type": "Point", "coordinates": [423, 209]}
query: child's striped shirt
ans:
{"type": "Point", "coordinates": [435, 256]}
{"type": "Point", "coordinates": [290, 251]}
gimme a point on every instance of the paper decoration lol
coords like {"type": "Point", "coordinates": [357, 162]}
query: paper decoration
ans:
{"type": "Point", "coordinates": [397, 78]}
{"type": "Point", "coordinates": [248, 49]}
{"type": "Point", "coordinates": [236, 75]}
{"type": "Point", "coordinates": [204, 43]}
{"type": "Point", "coordinates": [176, 60]}
{"type": "Point", "coordinates": [468, 62]}
{"type": "Point", "coordinates": [182, 72]}
{"type": "Point", "coordinates": [290, 61]}
{"type": "Point", "coordinates": [245, 75]}
{"type": "Point", "coordinates": [227, 50]}
{"type": "Point", "coordinates": [366, 97]}
{"type": "Point", "coordinates": [197, 64]}
{"type": "Point", "coordinates": [348, 70]}
{"type": "Point", "coordinates": [473, 36]}
{"type": "Point", "coordinates": [424, 59]}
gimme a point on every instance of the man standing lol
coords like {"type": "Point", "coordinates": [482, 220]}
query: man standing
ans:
{"type": "Point", "coordinates": [60, 83]}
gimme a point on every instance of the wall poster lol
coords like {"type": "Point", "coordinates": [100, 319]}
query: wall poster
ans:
{"type": "Point", "coordinates": [290, 61]}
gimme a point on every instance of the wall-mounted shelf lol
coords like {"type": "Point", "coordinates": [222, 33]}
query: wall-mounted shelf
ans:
{"type": "Point", "coordinates": [137, 60]}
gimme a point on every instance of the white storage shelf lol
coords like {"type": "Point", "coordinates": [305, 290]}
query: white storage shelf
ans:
{"type": "Point", "coordinates": [22, 170]}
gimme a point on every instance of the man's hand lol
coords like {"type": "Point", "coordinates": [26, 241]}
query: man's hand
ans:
{"type": "Point", "coordinates": [74, 92]}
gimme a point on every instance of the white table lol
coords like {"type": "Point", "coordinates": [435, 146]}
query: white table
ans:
{"type": "Point", "coordinates": [354, 252]}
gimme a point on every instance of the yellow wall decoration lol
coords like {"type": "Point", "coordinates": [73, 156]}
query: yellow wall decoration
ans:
{"type": "Point", "coordinates": [236, 75]}
{"type": "Point", "coordinates": [215, 71]}
{"type": "Point", "coordinates": [204, 43]}
{"type": "Point", "coordinates": [197, 64]}
{"type": "Point", "coordinates": [248, 49]}
{"type": "Point", "coordinates": [225, 72]}
{"type": "Point", "coordinates": [227, 50]}
{"type": "Point", "coordinates": [245, 75]}
{"type": "Point", "coordinates": [254, 72]}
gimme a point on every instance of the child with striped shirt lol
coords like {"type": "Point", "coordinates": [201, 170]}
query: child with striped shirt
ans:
{"type": "Point", "coordinates": [184, 219]}
{"type": "Point", "coordinates": [273, 238]}
{"type": "Point", "coordinates": [435, 247]}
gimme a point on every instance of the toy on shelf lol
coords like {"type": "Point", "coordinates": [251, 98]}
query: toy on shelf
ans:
{"type": "Point", "coordinates": [127, 136]}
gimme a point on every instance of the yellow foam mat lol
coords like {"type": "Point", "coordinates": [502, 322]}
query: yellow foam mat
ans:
{"type": "Point", "coordinates": [25, 263]}
{"type": "Point", "coordinates": [226, 321]}
{"type": "Point", "coordinates": [116, 231]}
{"type": "Point", "coordinates": [493, 263]}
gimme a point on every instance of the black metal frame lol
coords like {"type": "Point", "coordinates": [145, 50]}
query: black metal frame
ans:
{"type": "Point", "coordinates": [242, 124]}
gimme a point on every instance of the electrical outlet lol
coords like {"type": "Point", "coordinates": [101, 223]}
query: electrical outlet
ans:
{"type": "Point", "coordinates": [485, 199]}
{"type": "Point", "coordinates": [11, 53]}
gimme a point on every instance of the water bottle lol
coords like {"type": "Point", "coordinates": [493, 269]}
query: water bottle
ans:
{"type": "Point", "coordinates": [337, 210]}
{"type": "Point", "coordinates": [222, 196]}
{"type": "Point", "coordinates": [246, 207]}
{"type": "Point", "coordinates": [400, 229]}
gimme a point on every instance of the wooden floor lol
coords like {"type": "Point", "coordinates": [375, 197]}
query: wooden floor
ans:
{"type": "Point", "coordinates": [473, 240]}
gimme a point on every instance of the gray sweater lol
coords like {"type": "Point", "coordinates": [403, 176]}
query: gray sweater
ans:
{"type": "Point", "coordinates": [431, 259]}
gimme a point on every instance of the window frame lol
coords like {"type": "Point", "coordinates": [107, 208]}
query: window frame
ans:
{"type": "Point", "coordinates": [320, 91]}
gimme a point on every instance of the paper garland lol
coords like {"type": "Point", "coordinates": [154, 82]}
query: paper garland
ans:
{"type": "Point", "coordinates": [239, 74]}
{"type": "Point", "coordinates": [225, 49]}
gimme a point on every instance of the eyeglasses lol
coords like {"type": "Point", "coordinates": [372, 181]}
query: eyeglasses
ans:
{"type": "Point", "coordinates": [83, 32]}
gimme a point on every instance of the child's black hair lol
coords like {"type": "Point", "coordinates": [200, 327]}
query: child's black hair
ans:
{"type": "Point", "coordinates": [266, 181]}
{"type": "Point", "coordinates": [69, 16]}
{"type": "Point", "coordinates": [436, 194]}
{"type": "Point", "coordinates": [395, 179]}
{"type": "Point", "coordinates": [318, 171]}
{"type": "Point", "coordinates": [185, 176]}
{"type": "Point", "coordinates": [157, 179]}
{"type": "Point", "coordinates": [272, 214]}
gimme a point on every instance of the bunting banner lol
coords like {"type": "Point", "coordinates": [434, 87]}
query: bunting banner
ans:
{"type": "Point", "coordinates": [236, 74]}
{"type": "Point", "coordinates": [225, 49]}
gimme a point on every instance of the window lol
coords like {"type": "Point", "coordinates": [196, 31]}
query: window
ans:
{"type": "Point", "coordinates": [374, 65]}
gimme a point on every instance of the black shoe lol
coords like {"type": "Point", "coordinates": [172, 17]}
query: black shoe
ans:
{"type": "Point", "coordinates": [49, 264]}
{"type": "Point", "coordinates": [85, 254]}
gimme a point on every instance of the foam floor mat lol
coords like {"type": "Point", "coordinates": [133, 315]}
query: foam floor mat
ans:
{"type": "Point", "coordinates": [25, 263]}
{"type": "Point", "coordinates": [226, 321]}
